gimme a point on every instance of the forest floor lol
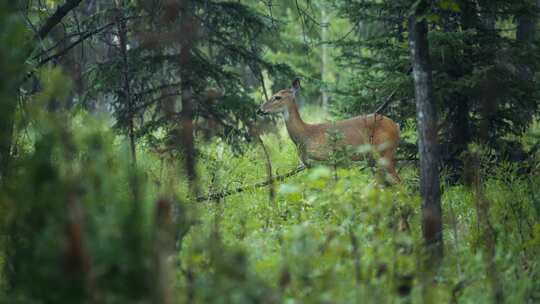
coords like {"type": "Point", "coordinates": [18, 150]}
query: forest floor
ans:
{"type": "Point", "coordinates": [335, 236]}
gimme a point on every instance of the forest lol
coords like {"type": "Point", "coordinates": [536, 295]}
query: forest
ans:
{"type": "Point", "coordinates": [269, 151]}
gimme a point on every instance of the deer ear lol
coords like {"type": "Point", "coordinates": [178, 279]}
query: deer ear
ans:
{"type": "Point", "coordinates": [295, 85]}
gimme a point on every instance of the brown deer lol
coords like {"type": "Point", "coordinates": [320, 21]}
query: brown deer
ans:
{"type": "Point", "coordinates": [315, 143]}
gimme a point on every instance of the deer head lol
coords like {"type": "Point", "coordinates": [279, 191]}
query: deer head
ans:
{"type": "Point", "coordinates": [282, 100]}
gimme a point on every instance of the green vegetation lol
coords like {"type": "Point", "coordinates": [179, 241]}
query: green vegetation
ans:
{"type": "Point", "coordinates": [118, 119]}
{"type": "Point", "coordinates": [345, 240]}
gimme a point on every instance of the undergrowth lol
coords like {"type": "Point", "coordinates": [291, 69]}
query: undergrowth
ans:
{"type": "Point", "coordinates": [326, 237]}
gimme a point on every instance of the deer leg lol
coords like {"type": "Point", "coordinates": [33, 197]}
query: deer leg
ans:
{"type": "Point", "coordinates": [390, 165]}
{"type": "Point", "coordinates": [395, 175]}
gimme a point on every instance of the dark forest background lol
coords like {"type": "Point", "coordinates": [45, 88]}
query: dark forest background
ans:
{"type": "Point", "coordinates": [134, 168]}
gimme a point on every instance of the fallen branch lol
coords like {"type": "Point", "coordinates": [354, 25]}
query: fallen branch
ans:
{"type": "Point", "coordinates": [253, 186]}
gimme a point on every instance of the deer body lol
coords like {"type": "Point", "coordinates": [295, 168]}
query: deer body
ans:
{"type": "Point", "coordinates": [314, 141]}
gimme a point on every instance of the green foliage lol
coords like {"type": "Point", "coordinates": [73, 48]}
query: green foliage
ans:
{"type": "Point", "coordinates": [322, 239]}
{"type": "Point", "coordinates": [303, 243]}
{"type": "Point", "coordinates": [227, 41]}
{"type": "Point", "coordinates": [80, 223]}
{"type": "Point", "coordinates": [482, 76]}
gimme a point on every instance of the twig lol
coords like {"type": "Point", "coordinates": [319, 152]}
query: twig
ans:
{"type": "Point", "coordinates": [271, 190]}
{"type": "Point", "coordinates": [64, 51]}
{"type": "Point", "coordinates": [458, 288]}
{"type": "Point", "coordinates": [390, 97]}
{"type": "Point", "coordinates": [302, 21]}
{"type": "Point", "coordinates": [386, 102]}
{"type": "Point", "coordinates": [82, 37]}
{"type": "Point", "coordinates": [265, 183]}
{"type": "Point", "coordinates": [75, 43]}
{"type": "Point", "coordinates": [340, 39]}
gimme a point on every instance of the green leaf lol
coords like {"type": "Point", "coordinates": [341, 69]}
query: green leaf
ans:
{"type": "Point", "coordinates": [449, 5]}
{"type": "Point", "coordinates": [433, 18]}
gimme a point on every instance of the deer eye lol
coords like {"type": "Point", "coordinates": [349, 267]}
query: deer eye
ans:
{"type": "Point", "coordinates": [277, 97]}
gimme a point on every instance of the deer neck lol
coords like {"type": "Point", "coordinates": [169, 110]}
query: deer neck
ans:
{"type": "Point", "coordinates": [295, 125]}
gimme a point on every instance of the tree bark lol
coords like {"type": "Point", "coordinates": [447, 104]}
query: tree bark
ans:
{"type": "Point", "coordinates": [324, 56]}
{"type": "Point", "coordinates": [6, 135]}
{"type": "Point", "coordinates": [526, 33]}
{"type": "Point", "coordinates": [526, 27]}
{"type": "Point", "coordinates": [126, 90]}
{"type": "Point", "coordinates": [187, 137]}
{"type": "Point", "coordinates": [459, 130]}
{"type": "Point", "coordinates": [8, 102]}
{"type": "Point", "coordinates": [427, 135]}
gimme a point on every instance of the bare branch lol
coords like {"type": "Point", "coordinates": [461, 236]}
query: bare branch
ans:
{"type": "Point", "coordinates": [74, 44]}
{"type": "Point", "coordinates": [64, 51]}
{"type": "Point", "coordinates": [385, 104]}
{"type": "Point", "coordinates": [57, 17]}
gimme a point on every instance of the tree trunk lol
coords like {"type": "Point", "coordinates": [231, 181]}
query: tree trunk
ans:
{"type": "Point", "coordinates": [186, 134]}
{"type": "Point", "coordinates": [526, 33]}
{"type": "Point", "coordinates": [6, 133]}
{"type": "Point", "coordinates": [126, 90]}
{"type": "Point", "coordinates": [187, 137]}
{"type": "Point", "coordinates": [324, 56]}
{"type": "Point", "coordinates": [459, 119]}
{"type": "Point", "coordinates": [8, 102]}
{"type": "Point", "coordinates": [427, 135]}
{"type": "Point", "coordinates": [526, 28]}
